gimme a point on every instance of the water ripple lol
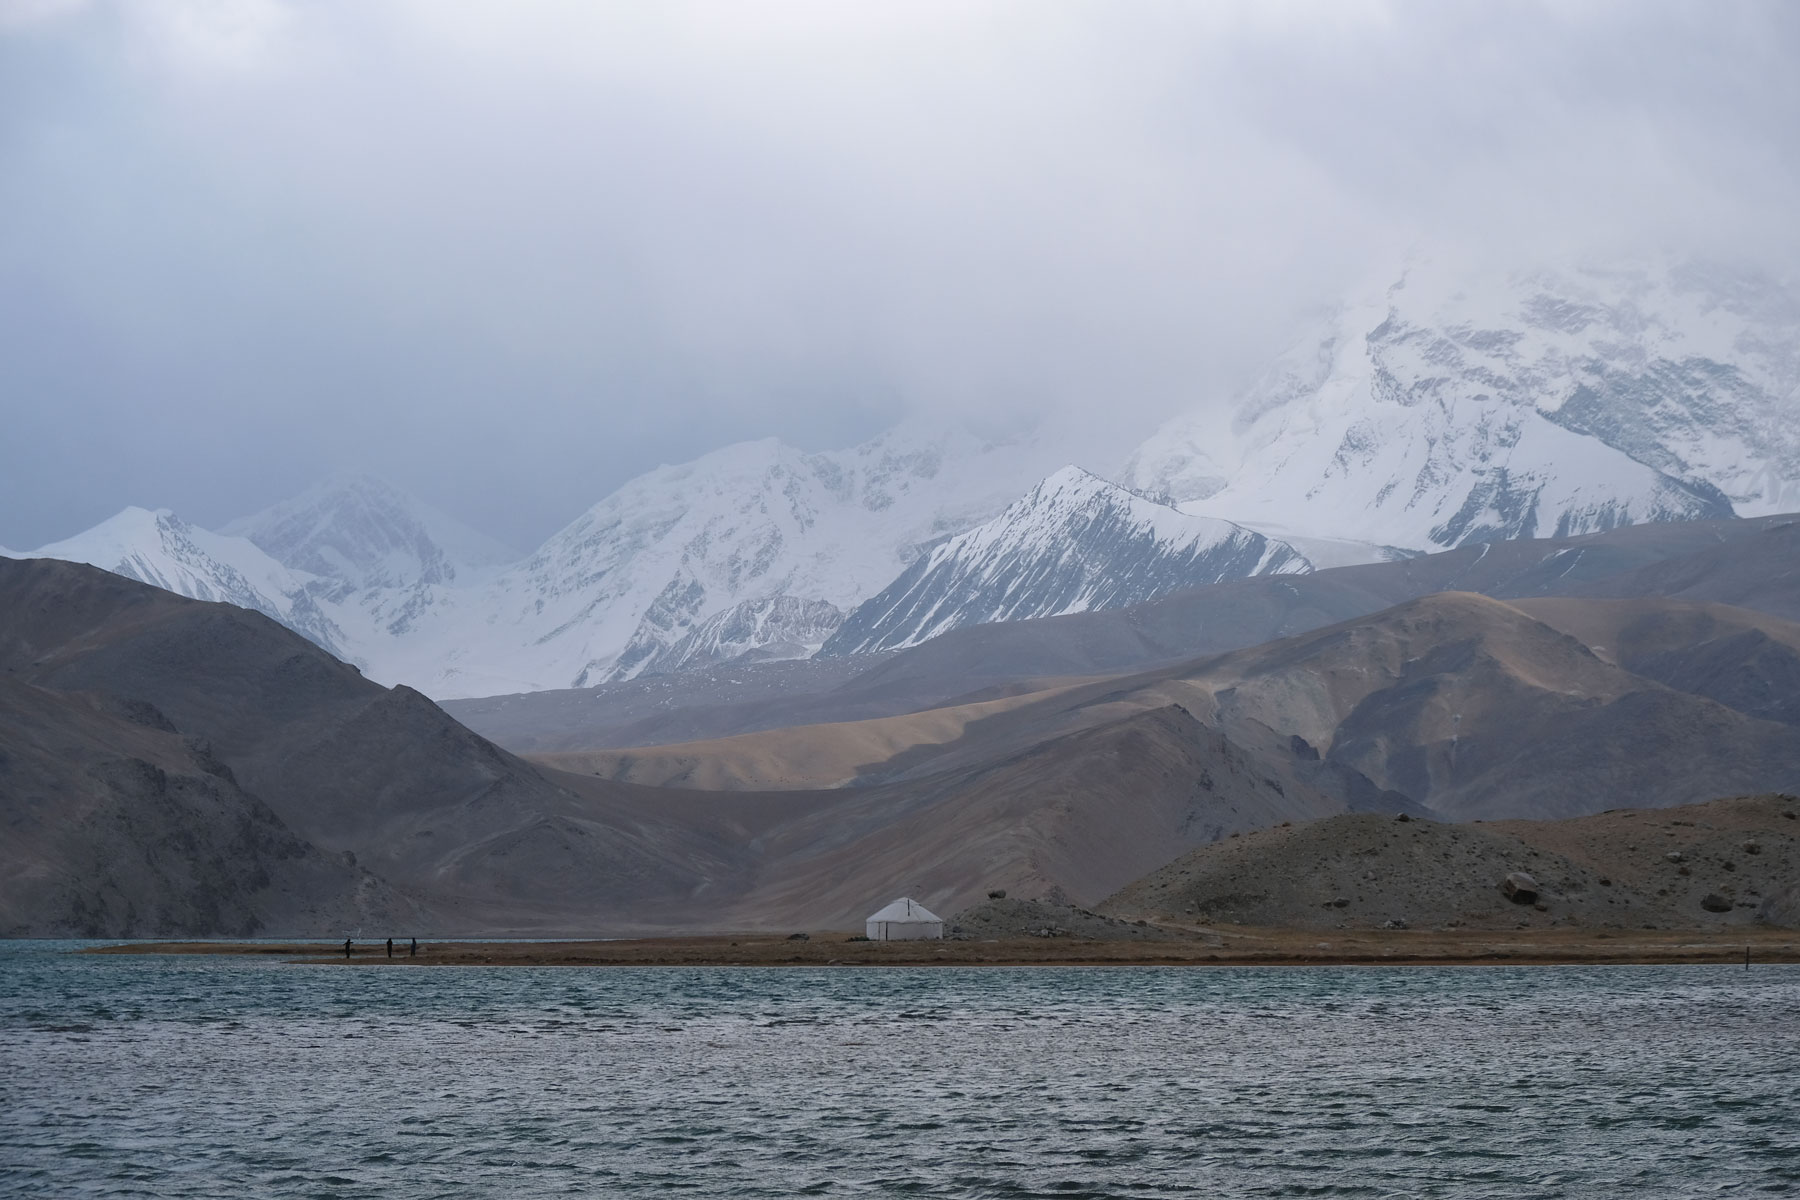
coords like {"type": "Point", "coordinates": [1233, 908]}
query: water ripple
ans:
{"type": "Point", "coordinates": [187, 1077]}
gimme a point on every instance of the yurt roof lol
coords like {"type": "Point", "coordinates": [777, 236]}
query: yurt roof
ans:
{"type": "Point", "coordinates": [905, 909]}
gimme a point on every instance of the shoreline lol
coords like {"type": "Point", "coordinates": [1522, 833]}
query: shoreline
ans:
{"type": "Point", "coordinates": [1224, 948]}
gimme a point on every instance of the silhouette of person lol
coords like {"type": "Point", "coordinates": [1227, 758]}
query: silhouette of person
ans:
{"type": "Point", "coordinates": [414, 952]}
{"type": "Point", "coordinates": [390, 947]}
{"type": "Point", "coordinates": [346, 947]}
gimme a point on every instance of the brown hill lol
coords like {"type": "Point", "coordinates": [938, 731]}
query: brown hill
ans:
{"type": "Point", "coordinates": [1699, 866]}
{"type": "Point", "coordinates": [1471, 707]}
{"type": "Point", "coordinates": [1745, 660]}
{"type": "Point", "coordinates": [340, 770]}
{"type": "Point", "coordinates": [1074, 817]}
{"type": "Point", "coordinates": [1455, 704]}
{"type": "Point", "coordinates": [118, 826]}
{"type": "Point", "coordinates": [346, 767]}
{"type": "Point", "coordinates": [796, 757]}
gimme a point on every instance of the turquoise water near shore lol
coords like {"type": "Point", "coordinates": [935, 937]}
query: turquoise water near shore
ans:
{"type": "Point", "coordinates": [189, 1077]}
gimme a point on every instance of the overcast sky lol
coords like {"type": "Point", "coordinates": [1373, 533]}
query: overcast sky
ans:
{"type": "Point", "coordinates": [509, 254]}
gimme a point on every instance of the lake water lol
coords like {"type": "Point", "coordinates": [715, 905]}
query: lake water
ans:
{"type": "Point", "coordinates": [196, 1077]}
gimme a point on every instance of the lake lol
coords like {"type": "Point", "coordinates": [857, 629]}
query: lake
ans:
{"type": "Point", "coordinates": [182, 1076]}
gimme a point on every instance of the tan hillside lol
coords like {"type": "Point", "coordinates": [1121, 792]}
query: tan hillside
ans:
{"type": "Point", "coordinates": [797, 757]}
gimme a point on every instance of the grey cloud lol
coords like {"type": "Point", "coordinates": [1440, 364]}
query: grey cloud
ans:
{"type": "Point", "coordinates": [509, 255]}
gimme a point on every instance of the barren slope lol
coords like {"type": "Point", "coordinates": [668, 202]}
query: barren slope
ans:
{"type": "Point", "coordinates": [118, 826]}
{"type": "Point", "coordinates": [1700, 866]}
{"type": "Point", "coordinates": [796, 757]}
{"type": "Point", "coordinates": [353, 768]}
{"type": "Point", "coordinates": [1453, 703]}
{"type": "Point", "coordinates": [1470, 706]}
{"type": "Point", "coordinates": [1745, 660]}
{"type": "Point", "coordinates": [1075, 817]}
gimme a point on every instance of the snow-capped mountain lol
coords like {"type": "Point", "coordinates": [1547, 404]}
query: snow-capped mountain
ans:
{"type": "Point", "coordinates": [1460, 405]}
{"type": "Point", "coordinates": [159, 548]}
{"type": "Point", "coordinates": [363, 532]}
{"type": "Point", "coordinates": [1450, 406]}
{"type": "Point", "coordinates": [755, 549]}
{"type": "Point", "coordinates": [1075, 542]}
{"type": "Point", "coordinates": [609, 595]}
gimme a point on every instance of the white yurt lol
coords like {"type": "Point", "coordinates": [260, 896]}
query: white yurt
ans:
{"type": "Point", "coordinates": [904, 920]}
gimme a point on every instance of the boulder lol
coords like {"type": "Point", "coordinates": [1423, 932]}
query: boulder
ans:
{"type": "Point", "coordinates": [1520, 888]}
{"type": "Point", "coordinates": [1715, 903]}
{"type": "Point", "coordinates": [1782, 908]}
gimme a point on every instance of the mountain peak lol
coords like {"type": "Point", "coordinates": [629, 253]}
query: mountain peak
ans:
{"type": "Point", "coordinates": [1074, 543]}
{"type": "Point", "coordinates": [1076, 479]}
{"type": "Point", "coordinates": [157, 547]}
{"type": "Point", "coordinates": [362, 531]}
{"type": "Point", "coordinates": [1473, 403]}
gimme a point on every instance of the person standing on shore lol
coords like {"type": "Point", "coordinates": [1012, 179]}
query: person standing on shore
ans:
{"type": "Point", "coordinates": [346, 947]}
{"type": "Point", "coordinates": [390, 947]}
{"type": "Point", "coordinates": [414, 951]}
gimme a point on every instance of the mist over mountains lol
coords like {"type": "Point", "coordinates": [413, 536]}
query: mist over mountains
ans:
{"type": "Point", "coordinates": [1449, 405]}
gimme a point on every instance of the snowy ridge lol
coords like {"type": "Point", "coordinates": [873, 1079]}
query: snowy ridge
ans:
{"type": "Point", "coordinates": [161, 549]}
{"type": "Point", "coordinates": [755, 549]}
{"type": "Point", "coordinates": [605, 598]}
{"type": "Point", "coordinates": [1076, 542]}
{"type": "Point", "coordinates": [1461, 405]}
